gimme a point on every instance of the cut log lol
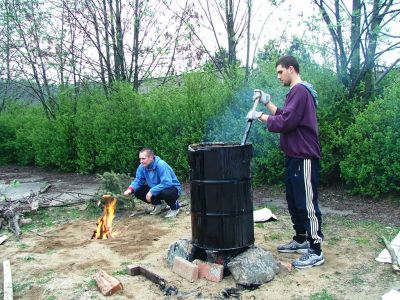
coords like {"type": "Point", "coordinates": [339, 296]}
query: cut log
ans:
{"type": "Point", "coordinates": [107, 284]}
{"type": "Point", "coordinates": [8, 289]}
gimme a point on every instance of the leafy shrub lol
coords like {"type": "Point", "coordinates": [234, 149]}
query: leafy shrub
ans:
{"type": "Point", "coordinates": [7, 140]}
{"type": "Point", "coordinates": [371, 165]}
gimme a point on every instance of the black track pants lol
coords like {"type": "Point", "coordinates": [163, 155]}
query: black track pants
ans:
{"type": "Point", "coordinates": [301, 181]}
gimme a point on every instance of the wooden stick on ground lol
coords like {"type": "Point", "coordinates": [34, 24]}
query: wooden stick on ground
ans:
{"type": "Point", "coordinates": [395, 259]}
{"type": "Point", "coordinates": [8, 289]}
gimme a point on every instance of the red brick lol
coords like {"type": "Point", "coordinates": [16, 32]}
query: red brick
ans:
{"type": "Point", "coordinates": [210, 271]}
{"type": "Point", "coordinates": [186, 269]}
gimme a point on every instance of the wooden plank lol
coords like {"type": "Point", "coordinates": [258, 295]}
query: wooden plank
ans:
{"type": "Point", "coordinates": [107, 284]}
{"type": "Point", "coordinates": [8, 290]}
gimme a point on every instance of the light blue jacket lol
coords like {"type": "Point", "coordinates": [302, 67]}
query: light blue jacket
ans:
{"type": "Point", "coordinates": [158, 176]}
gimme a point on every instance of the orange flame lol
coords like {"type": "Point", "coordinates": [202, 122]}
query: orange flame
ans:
{"type": "Point", "coordinates": [104, 223]}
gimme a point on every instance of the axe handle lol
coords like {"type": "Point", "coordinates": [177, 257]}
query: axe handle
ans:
{"type": "Point", "coordinates": [249, 123]}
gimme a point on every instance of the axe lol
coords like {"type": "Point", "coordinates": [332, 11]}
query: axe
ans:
{"type": "Point", "coordinates": [250, 122]}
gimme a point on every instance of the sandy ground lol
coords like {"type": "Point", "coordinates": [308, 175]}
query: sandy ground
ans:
{"type": "Point", "coordinates": [58, 262]}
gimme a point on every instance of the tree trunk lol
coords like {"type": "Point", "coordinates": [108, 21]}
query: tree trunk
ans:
{"type": "Point", "coordinates": [355, 43]}
{"type": "Point", "coordinates": [247, 72]}
{"type": "Point", "coordinates": [120, 40]}
{"type": "Point", "coordinates": [107, 42]}
{"type": "Point", "coordinates": [231, 32]}
{"type": "Point", "coordinates": [135, 50]}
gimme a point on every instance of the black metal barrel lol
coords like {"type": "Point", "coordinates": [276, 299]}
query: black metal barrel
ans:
{"type": "Point", "coordinates": [221, 196]}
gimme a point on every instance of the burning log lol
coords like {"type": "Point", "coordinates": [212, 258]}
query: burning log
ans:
{"type": "Point", "coordinates": [104, 223]}
{"type": "Point", "coordinates": [107, 284]}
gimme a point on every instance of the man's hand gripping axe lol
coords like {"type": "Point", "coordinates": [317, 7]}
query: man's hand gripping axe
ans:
{"type": "Point", "coordinates": [256, 96]}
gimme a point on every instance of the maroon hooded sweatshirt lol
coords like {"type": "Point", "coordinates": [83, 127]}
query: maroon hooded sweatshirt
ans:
{"type": "Point", "coordinates": [297, 124]}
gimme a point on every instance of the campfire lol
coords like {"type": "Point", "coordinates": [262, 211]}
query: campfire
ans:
{"type": "Point", "coordinates": [104, 223]}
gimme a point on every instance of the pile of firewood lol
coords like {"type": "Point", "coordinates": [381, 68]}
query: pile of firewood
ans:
{"type": "Point", "coordinates": [12, 211]}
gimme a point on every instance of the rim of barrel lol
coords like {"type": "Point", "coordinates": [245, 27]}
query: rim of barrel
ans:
{"type": "Point", "coordinates": [210, 145]}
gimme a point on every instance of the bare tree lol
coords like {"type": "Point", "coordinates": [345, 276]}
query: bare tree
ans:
{"type": "Point", "coordinates": [6, 34]}
{"type": "Point", "coordinates": [370, 22]}
{"type": "Point", "coordinates": [249, 9]}
{"type": "Point", "coordinates": [233, 19]}
{"type": "Point", "coordinates": [32, 44]}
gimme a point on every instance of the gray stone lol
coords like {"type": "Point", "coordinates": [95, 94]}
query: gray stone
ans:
{"type": "Point", "coordinates": [182, 248]}
{"type": "Point", "coordinates": [253, 267]}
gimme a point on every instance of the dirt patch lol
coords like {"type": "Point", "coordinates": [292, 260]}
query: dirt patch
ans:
{"type": "Point", "coordinates": [59, 262]}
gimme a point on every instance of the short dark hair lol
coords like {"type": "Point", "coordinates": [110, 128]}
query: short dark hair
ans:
{"type": "Point", "coordinates": [148, 151]}
{"type": "Point", "coordinates": [287, 61]}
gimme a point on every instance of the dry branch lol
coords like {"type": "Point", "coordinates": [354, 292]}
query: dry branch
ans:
{"type": "Point", "coordinates": [13, 211]}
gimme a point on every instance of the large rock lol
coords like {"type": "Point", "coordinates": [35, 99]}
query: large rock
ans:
{"type": "Point", "coordinates": [253, 267]}
{"type": "Point", "coordinates": [182, 248]}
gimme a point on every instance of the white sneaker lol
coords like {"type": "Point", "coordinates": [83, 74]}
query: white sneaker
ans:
{"type": "Point", "coordinates": [158, 208]}
{"type": "Point", "coordinates": [172, 213]}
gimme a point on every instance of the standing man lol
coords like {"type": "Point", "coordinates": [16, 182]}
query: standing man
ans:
{"type": "Point", "coordinates": [297, 125]}
{"type": "Point", "coordinates": [156, 181]}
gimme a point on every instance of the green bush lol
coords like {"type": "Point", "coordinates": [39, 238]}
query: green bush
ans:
{"type": "Point", "coordinates": [371, 165]}
{"type": "Point", "coordinates": [7, 140]}
{"type": "Point", "coordinates": [111, 130]}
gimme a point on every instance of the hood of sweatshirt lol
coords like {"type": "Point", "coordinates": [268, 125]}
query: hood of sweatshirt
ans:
{"type": "Point", "coordinates": [312, 91]}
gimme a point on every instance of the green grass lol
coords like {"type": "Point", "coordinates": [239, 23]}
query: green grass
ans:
{"type": "Point", "coordinates": [29, 257]}
{"type": "Point", "coordinates": [91, 284]}
{"type": "Point", "coordinates": [366, 231]}
{"type": "Point", "coordinates": [323, 295]}
{"type": "Point", "coordinates": [361, 240]}
{"type": "Point", "coordinates": [333, 240]}
{"type": "Point", "coordinates": [123, 270]}
{"type": "Point", "coordinates": [273, 236]}
{"type": "Point", "coordinates": [357, 280]}
{"type": "Point", "coordinates": [19, 287]}
{"type": "Point", "coordinates": [49, 275]}
{"type": "Point", "coordinates": [45, 218]}
{"type": "Point", "coordinates": [14, 183]}
{"type": "Point", "coordinates": [260, 225]}
{"type": "Point", "coordinates": [21, 245]}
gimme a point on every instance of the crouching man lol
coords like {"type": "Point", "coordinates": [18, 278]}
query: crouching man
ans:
{"type": "Point", "coordinates": [155, 183]}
